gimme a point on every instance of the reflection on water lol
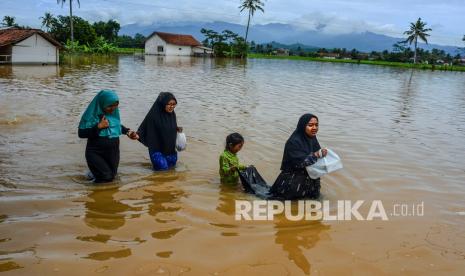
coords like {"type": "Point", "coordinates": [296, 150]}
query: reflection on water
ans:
{"type": "Point", "coordinates": [297, 238]}
{"type": "Point", "coordinates": [104, 212]}
{"type": "Point", "coordinates": [399, 132]}
{"type": "Point", "coordinates": [106, 255]}
{"type": "Point", "coordinates": [227, 199]}
{"type": "Point", "coordinates": [165, 254]}
{"type": "Point", "coordinates": [166, 234]}
{"type": "Point", "coordinates": [107, 238]}
{"type": "Point", "coordinates": [164, 199]}
{"type": "Point", "coordinates": [407, 99]}
{"type": "Point", "coordinates": [7, 266]}
{"type": "Point", "coordinates": [24, 72]}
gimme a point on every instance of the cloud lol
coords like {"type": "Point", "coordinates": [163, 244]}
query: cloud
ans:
{"type": "Point", "coordinates": [102, 14]}
{"type": "Point", "coordinates": [334, 24]}
{"type": "Point", "coordinates": [149, 12]}
{"type": "Point", "coordinates": [389, 17]}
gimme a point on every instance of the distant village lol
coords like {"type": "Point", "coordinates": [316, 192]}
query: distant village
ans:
{"type": "Point", "coordinates": [21, 44]}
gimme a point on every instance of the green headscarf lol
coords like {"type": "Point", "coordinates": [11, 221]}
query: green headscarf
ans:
{"type": "Point", "coordinates": [94, 112]}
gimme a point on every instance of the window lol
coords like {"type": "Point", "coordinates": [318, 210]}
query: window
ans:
{"type": "Point", "coordinates": [160, 48]}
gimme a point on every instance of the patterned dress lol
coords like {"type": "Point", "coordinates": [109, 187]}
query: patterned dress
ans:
{"type": "Point", "coordinates": [228, 160]}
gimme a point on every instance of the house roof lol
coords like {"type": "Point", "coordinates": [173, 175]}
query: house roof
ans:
{"type": "Point", "coordinates": [14, 35]}
{"type": "Point", "coordinates": [177, 39]}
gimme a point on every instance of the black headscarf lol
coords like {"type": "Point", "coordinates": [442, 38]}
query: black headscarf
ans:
{"type": "Point", "coordinates": [158, 130]}
{"type": "Point", "coordinates": [299, 145]}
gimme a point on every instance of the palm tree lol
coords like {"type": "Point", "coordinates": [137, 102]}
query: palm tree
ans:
{"type": "Point", "coordinates": [70, 16]}
{"type": "Point", "coordinates": [9, 21]}
{"type": "Point", "coordinates": [47, 20]}
{"type": "Point", "coordinates": [417, 30]}
{"type": "Point", "coordinates": [251, 6]}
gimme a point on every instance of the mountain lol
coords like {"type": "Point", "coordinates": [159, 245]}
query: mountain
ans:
{"type": "Point", "coordinates": [294, 47]}
{"type": "Point", "coordinates": [284, 34]}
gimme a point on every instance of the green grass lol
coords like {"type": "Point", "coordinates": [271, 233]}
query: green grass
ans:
{"type": "Point", "coordinates": [370, 62]}
{"type": "Point", "coordinates": [129, 50]}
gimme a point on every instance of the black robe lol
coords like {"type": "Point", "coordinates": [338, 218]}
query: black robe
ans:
{"type": "Point", "coordinates": [293, 182]}
{"type": "Point", "coordinates": [159, 128]}
{"type": "Point", "coordinates": [102, 153]}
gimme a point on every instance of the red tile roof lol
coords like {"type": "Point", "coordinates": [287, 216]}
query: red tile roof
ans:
{"type": "Point", "coordinates": [177, 39]}
{"type": "Point", "coordinates": [14, 35]}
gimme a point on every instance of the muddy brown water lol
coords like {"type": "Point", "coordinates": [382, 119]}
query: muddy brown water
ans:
{"type": "Point", "coordinates": [400, 134]}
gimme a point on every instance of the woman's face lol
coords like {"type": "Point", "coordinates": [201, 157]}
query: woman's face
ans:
{"type": "Point", "coordinates": [169, 107]}
{"type": "Point", "coordinates": [312, 127]}
{"type": "Point", "coordinates": [109, 109]}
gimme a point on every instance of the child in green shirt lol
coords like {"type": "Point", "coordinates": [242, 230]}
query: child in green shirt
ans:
{"type": "Point", "coordinates": [229, 163]}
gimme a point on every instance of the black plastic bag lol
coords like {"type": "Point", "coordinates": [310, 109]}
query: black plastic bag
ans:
{"type": "Point", "coordinates": [254, 183]}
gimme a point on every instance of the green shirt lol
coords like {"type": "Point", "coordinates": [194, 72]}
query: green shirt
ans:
{"type": "Point", "coordinates": [228, 160]}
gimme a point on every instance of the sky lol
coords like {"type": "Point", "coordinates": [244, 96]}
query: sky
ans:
{"type": "Point", "coordinates": [388, 17]}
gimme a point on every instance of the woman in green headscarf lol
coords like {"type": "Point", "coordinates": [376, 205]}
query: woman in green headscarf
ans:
{"type": "Point", "coordinates": [101, 125]}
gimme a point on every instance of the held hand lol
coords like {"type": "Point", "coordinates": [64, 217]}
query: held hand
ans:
{"type": "Point", "coordinates": [233, 169]}
{"type": "Point", "coordinates": [324, 152]}
{"type": "Point", "coordinates": [133, 135]}
{"type": "Point", "coordinates": [103, 123]}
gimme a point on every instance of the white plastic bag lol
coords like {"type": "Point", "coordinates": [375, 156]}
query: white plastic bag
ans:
{"type": "Point", "coordinates": [181, 141]}
{"type": "Point", "coordinates": [330, 163]}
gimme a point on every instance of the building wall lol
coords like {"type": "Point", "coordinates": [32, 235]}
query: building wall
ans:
{"type": "Point", "coordinates": [202, 52]}
{"type": "Point", "coordinates": [35, 49]}
{"type": "Point", "coordinates": [151, 48]}
{"type": "Point", "coordinates": [175, 50]}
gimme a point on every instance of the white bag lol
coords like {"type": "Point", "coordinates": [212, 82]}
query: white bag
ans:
{"type": "Point", "coordinates": [330, 163]}
{"type": "Point", "coordinates": [181, 141]}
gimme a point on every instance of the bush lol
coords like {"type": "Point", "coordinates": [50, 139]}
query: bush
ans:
{"type": "Point", "coordinates": [100, 46]}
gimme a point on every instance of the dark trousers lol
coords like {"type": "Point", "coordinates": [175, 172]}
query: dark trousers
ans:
{"type": "Point", "coordinates": [102, 156]}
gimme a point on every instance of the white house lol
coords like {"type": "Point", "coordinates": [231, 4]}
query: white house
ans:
{"type": "Point", "coordinates": [28, 46]}
{"type": "Point", "coordinates": [168, 44]}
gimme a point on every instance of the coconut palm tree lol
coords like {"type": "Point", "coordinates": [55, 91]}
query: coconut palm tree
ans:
{"type": "Point", "coordinates": [251, 6]}
{"type": "Point", "coordinates": [8, 21]}
{"type": "Point", "coordinates": [417, 30]}
{"type": "Point", "coordinates": [70, 15]}
{"type": "Point", "coordinates": [47, 20]}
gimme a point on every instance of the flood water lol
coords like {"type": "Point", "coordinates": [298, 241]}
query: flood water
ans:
{"type": "Point", "coordinates": [400, 134]}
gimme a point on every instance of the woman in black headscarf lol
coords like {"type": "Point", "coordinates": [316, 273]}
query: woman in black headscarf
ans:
{"type": "Point", "coordinates": [302, 149]}
{"type": "Point", "coordinates": [158, 132]}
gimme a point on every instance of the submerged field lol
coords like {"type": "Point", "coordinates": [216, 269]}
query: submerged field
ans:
{"type": "Point", "coordinates": [369, 62]}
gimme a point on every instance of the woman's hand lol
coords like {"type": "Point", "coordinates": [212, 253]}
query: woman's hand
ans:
{"type": "Point", "coordinates": [179, 129]}
{"type": "Point", "coordinates": [321, 153]}
{"type": "Point", "coordinates": [133, 135]}
{"type": "Point", "coordinates": [103, 123]}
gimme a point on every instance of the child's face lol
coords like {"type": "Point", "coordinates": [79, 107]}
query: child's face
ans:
{"type": "Point", "coordinates": [312, 127]}
{"type": "Point", "coordinates": [237, 148]}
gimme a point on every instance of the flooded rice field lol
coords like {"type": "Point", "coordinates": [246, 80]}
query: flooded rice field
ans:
{"type": "Point", "coordinates": [400, 134]}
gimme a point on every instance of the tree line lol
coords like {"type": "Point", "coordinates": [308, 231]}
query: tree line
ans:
{"type": "Point", "coordinates": [400, 52]}
{"type": "Point", "coordinates": [97, 37]}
